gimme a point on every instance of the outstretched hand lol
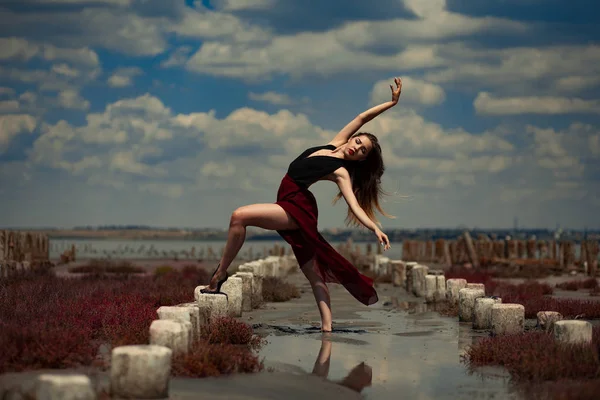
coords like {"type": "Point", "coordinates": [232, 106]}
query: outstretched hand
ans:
{"type": "Point", "coordinates": [383, 239]}
{"type": "Point", "coordinates": [396, 92]}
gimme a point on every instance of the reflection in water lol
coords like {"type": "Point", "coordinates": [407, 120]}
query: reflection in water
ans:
{"type": "Point", "coordinates": [360, 377]}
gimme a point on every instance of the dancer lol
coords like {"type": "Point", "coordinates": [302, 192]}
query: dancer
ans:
{"type": "Point", "coordinates": [354, 162]}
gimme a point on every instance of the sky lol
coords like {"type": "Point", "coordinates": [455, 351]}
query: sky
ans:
{"type": "Point", "coordinates": [175, 113]}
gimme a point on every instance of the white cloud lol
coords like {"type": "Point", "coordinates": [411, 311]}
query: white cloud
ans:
{"type": "Point", "coordinates": [178, 57]}
{"type": "Point", "coordinates": [13, 125]}
{"type": "Point", "coordinates": [72, 99]}
{"type": "Point", "coordinates": [6, 91]}
{"type": "Point", "coordinates": [577, 83]}
{"type": "Point", "coordinates": [272, 98]}
{"type": "Point", "coordinates": [123, 77]}
{"type": "Point", "coordinates": [9, 106]}
{"type": "Point", "coordinates": [414, 91]}
{"type": "Point", "coordinates": [515, 70]}
{"type": "Point", "coordinates": [21, 49]}
{"type": "Point", "coordinates": [122, 3]}
{"type": "Point", "coordinates": [238, 5]}
{"type": "Point", "coordinates": [488, 104]}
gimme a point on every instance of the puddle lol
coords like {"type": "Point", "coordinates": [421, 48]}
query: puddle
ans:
{"type": "Point", "coordinates": [385, 354]}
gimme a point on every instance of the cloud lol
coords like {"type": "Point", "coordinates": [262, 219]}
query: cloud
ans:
{"type": "Point", "coordinates": [272, 98]}
{"type": "Point", "coordinates": [20, 49]}
{"type": "Point", "coordinates": [512, 71]}
{"type": "Point", "coordinates": [178, 57]}
{"type": "Point", "coordinates": [13, 125]}
{"type": "Point", "coordinates": [9, 106]}
{"type": "Point", "coordinates": [414, 91]}
{"type": "Point", "coordinates": [72, 100]}
{"type": "Point", "coordinates": [238, 5]}
{"type": "Point", "coordinates": [123, 77]}
{"type": "Point", "coordinates": [6, 91]}
{"type": "Point", "coordinates": [488, 104]}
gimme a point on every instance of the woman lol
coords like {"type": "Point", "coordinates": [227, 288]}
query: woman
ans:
{"type": "Point", "coordinates": [353, 161]}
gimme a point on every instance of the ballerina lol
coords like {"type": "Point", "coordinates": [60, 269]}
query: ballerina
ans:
{"type": "Point", "coordinates": [354, 162]}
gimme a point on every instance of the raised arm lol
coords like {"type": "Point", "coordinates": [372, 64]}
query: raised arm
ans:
{"type": "Point", "coordinates": [364, 117]}
{"type": "Point", "coordinates": [344, 182]}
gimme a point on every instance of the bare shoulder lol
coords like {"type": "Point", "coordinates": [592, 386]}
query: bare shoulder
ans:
{"type": "Point", "coordinates": [341, 175]}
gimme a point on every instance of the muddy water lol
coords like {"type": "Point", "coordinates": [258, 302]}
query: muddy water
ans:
{"type": "Point", "coordinates": [409, 350]}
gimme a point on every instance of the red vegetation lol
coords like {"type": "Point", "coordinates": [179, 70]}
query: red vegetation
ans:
{"type": "Point", "coordinates": [48, 322]}
{"type": "Point", "coordinates": [277, 290]}
{"type": "Point", "coordinates": [590, 283]}
{"type": "Point", "coordinates": [227, 330]}
{"type": "Point", "coordinates": [537, 357]}
{"type": "Point", "coordinates": [216, 359]}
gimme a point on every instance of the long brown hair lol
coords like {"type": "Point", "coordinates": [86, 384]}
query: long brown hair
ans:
{"type": "Point", "coordinates": [366, 183]}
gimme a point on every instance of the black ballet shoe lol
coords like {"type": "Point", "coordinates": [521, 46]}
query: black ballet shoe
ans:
{"type": "Point", "coordinates": [219, 284]}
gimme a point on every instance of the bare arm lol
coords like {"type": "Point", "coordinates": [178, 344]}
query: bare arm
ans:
{"type": "Point", "coordinates": [344, 182]}
{"type": "Point", "coordinates": [366, 116]}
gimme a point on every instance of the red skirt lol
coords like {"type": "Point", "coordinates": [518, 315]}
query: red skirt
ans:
{"type": "Point", "coordinates": [307, 243]}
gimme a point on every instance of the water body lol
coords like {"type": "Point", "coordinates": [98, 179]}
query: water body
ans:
{"type": "Point", "coordinates": [154, 249]}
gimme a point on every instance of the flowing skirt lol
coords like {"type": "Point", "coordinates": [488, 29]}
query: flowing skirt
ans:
{"type": "Point", "coordinates": [307, 243]}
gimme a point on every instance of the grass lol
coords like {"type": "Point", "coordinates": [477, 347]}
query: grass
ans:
{"type": "Point", "coordinates": [277, 290]}
{"type": "Point", "coordinates": [50, 322]}
{"type": "Point", "coordinates": [590, 283]}
{"type": "Point", "coordinates": [536, 357]}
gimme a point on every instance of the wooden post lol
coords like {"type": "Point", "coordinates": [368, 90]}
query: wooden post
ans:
{"type": "Point", "coordinates": [531, 248]}
{"type": "Point", "coordinates": [470, 249]}
{"type": "Point", "coordinates": [512, 249]}
{"type": "Point", "coordinates": [405, 250]}
{"type": "Point", "coordinates": [553, 253]}
{"type": "Point", "coordinates": [592, 257]}
{"type": "Point", "coordinates": [452, 249]}
{"type": "Point", "coordinates": [429, 251]}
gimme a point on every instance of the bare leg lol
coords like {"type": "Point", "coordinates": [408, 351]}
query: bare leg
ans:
{"type": "Point", "coordinates": [321, 292]}
{"type": "Point", "coordinates": [266, 216]}
{"type": "Point", "coordinates": [321, 367]}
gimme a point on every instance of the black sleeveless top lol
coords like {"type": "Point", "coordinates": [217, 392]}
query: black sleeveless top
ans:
{"type": "Point", "coordinates": [306, 170]}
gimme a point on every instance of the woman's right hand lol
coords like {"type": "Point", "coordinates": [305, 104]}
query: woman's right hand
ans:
{"type": "Point", "coordinates": [383, 239]}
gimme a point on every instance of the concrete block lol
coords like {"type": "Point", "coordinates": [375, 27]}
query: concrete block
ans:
{"type": "Point", "coordinates": [398, 273]}
{"type": "Point", "coordinates": [247, 280]}
{"type": "Point", "coordinates": [440, 291]}
{"type": "Point", "coordinates": [185, 313]}
{"type": "Point", "coordinates": [573, 332]}
{"type": "Point", "coordinates": [482, 313]}
{"type": "Point", "coordinates": [233, 289]}
{"type": "Point", "coordinates": [64, 387]}
{"type": "Point", "coordinates": [466, 303]}
{"type": "Point", "coordinates": [453, 286]}
{"type": "Point", "coordinates": [476, 286]}
{"type": "Point", "coordinates": [547, 319]}
{"type": "Point", "coordinates": [211, 306]}
{"type": "Point", "coordinates": [176, 335]}
{"type": "Point", "coordinates": [381, 265]}
{"type": "Point", "coordinates": [419, 272]}
{"type": "Point", "coordinates": [430, 288]}
{"type": "Point", "coordinates": [507, 319]}
{"type": "Point", "coordinates": [140, 371]}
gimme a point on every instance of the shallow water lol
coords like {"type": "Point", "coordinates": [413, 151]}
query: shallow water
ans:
{"type": "Point", "coordinates": [412, 356]}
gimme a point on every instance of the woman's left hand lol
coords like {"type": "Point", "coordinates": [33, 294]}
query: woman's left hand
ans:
{"type": "Point", "coordinates": [383, 239]}
{"type": "Point", "coordinates": [396, 92]}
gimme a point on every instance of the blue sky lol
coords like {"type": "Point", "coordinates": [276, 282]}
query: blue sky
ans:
{"type": "Point", "coordinates": [174, 113]}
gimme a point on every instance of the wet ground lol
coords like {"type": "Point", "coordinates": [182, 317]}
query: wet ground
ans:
{"type": "Point", "coordinates": [412, 352]}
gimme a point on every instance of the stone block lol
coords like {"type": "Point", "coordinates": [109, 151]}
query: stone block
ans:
{"type": "Point", "coordinates": [482, 313]}
{"type": "Point", "coordinates": [430, 288]}
{"type": "Point", "coordinates": [573, 332]}
{"type": "Point", "coordinates": [140, 371]}
{"type": "Point", "coordinates": [233, 289]}
{"type": "Point", "coordinates": [419, 272]}
{"type": "Point", "coordinates": [547, 319]}
{"type": "Point", "coordinates": [453, 286]}
{"type": "Point", "coordinates": [176, 335]}
{"type": "Point", "coordinates": [247, 281]}
{"type": "Point", "coordinates": [185, 313]}
{"type": "Point", "coordinates": [466, 303]}
{"type": "Point", "coordinates": [64, 387]}
{"type": "Point", "coordinates": [211, 306]}
{"type": "Point", "coordinates": [508, 319]}
{"type": "Point", "coordinates": [398, 272]}
{"type": "Point", "coordinates": [476, 286]}
{"type": "Point", "coordinates": [440, 291]}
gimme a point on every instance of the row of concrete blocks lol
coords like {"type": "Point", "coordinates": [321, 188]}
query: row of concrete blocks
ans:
{"type": "Point", "coordinates": [486, 313]}
{"type": "Point", "coordinates": [491, 314]}
{"type": "Point", "coordinates": [143, 371]}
